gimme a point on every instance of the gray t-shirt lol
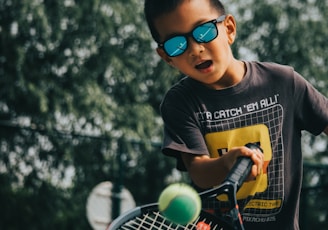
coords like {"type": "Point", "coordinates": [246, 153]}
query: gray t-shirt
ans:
{"type": "Point", "coordinates": [270, 106]}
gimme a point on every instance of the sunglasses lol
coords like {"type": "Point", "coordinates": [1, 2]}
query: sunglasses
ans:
{"type": "Point", "coordinates": [204, 33]}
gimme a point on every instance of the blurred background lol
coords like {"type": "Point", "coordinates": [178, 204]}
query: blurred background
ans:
{"type": "Point", "coordinates": [80, 88]}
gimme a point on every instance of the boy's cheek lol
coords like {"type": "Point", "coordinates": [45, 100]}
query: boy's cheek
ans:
{"type": "Point", "coordinates": [163, 55]}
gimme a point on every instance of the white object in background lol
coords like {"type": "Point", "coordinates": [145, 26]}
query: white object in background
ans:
{"type": "Point", "coordinates": [99, 205]}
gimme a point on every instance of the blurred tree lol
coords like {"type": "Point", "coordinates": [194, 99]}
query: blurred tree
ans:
{"type": "Point", "coordinates": [76, 77]}
{"type": "Point", "coordinates": [313, 212]}
{"type": "Point", "coordinates": [69, 70]}
{"type": "Point", "coordinates": [292, 33]}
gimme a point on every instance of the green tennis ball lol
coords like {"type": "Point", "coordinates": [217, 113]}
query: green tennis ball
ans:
{"type": "Point", "coordinates": [179, 203]}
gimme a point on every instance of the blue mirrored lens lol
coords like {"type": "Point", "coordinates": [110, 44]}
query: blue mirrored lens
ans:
{"type": "Point", "coordinates": [205, 33]}
{"type": "Point", "coordinates": [175, 46]}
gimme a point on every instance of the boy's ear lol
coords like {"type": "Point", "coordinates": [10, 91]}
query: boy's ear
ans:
{"type": "Point", "coordinates": [231, 28]}
{"type": "Point", "coordinates": [164, 56]}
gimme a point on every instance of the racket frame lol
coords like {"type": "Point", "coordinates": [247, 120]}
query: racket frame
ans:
{"type": "Point", "coordinates": [229, 187]}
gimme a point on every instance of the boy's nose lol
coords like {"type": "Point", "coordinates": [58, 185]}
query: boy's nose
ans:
{"type": "Point", "coordinates": [194, 47]}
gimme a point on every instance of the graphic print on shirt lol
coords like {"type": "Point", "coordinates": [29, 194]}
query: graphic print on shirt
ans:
{"type": "Point", "coordinates": [261, 124]}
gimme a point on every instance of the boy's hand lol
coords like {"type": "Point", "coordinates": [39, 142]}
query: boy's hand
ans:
{"type": "Point", "coordinates": [207, 172]}
{"type": "Point", "coordinates": [255, 154]}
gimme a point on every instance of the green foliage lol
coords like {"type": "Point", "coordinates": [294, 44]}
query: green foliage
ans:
{"type": "Point", "coordinates": [313, 212]}
{"type": "Point", "coordinates": [288, 32]}
{"type": "Point", "coordinates": [79, 77]}
{"type": "Point", "coordinates": [68, 70]}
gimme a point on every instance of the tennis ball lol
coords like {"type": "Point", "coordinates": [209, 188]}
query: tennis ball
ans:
{"type": "Point", "coordinates": [179, 203]}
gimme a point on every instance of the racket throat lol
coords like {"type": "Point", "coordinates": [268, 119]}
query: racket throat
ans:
{"type": "Point", "coordinates": [236, 218]}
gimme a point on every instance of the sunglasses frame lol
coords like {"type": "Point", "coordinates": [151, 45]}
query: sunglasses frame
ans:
{"type": "Point", "coordinates": [190, 34]}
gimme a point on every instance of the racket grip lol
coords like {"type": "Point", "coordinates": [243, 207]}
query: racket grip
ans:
{"type": "Point", "coordinates": [242, 167]}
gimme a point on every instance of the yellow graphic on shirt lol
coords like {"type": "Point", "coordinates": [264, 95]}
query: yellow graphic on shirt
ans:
{"type": "Point", "coordinates": [218, 143]}
{"type": "Point", "coordinates": [263, 204]}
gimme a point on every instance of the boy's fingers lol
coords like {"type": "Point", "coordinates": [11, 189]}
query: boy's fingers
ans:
{"type": "Point", "coordinates": [258, 159]}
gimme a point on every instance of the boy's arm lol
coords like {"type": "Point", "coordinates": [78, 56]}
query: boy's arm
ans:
{"type": "Point", "coordinates": [207, 172]}
{"type": "Point", "coordinates": [326, 130]}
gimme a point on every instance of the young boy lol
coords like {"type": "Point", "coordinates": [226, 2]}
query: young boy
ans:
{"type": "Point", "coordinates": [224, 103]}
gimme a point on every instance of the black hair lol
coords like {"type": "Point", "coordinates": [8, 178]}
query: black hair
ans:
{"type": "Point", "coordinates": [156, 8]}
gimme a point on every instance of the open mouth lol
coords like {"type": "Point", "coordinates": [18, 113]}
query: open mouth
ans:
{"type": "Point", "coordinates": [204, 65]}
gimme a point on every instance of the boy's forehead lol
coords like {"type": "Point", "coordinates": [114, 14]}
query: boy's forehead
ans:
{"type": "Point", "coordinates": [185, 17]}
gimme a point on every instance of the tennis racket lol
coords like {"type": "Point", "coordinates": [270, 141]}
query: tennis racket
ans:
{"type": "Point", "coordinates": [148, 217]}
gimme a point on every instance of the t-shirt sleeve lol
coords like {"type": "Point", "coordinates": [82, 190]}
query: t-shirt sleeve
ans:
{"type": "Point", "coordinates": [181, 132]}
{"type": "Point", "coordinates": [312, 106]}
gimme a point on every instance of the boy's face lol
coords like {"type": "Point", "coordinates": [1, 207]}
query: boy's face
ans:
{"type": "Point", "coordinates": [209, 63]}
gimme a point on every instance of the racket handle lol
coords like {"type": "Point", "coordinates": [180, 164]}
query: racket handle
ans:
{"type": "Point", "coordinates": [242, 167]}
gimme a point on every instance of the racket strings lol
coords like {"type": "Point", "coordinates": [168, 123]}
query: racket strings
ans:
{"type": "Point", "coordinates": [148, 221]}
{"type": "Point", "coordinates": [155, 221]}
